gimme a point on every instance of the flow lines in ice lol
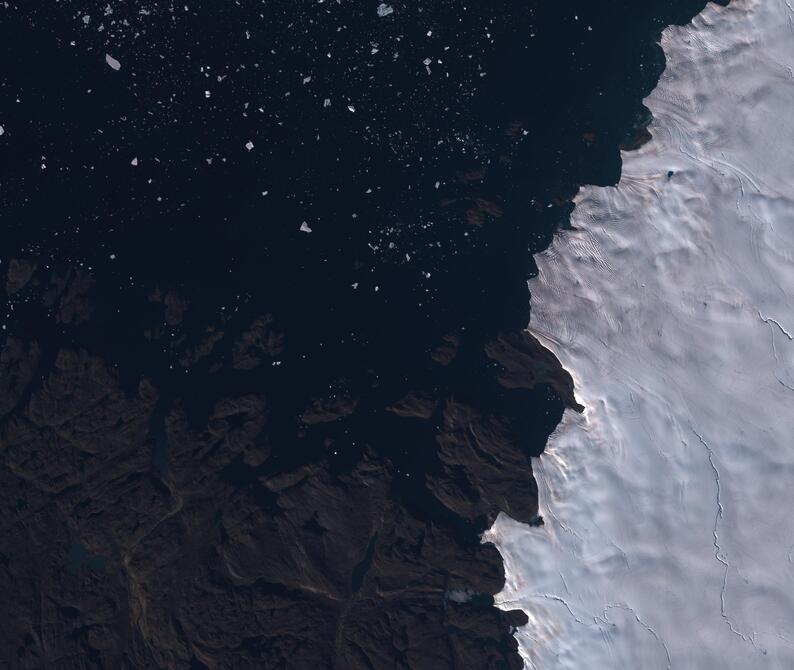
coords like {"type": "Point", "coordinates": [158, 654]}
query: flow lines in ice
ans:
{"type": "Point", "coordinates": [719, 554]}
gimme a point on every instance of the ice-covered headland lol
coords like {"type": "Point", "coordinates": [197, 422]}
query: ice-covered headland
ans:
{"type": "Point", "coordinates": [669, 504]}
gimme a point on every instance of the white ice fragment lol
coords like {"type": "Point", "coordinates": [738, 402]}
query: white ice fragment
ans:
{"type": "Point", "coordinates": [134, 161]}
{"type": "Point", "coordinates": [351, 108]}
{"type": "Point", "coordinates": [249, 145]}
{"type": "Point", "coordinates": [305, 228]}
{"type": "Point", "coordinates": [384, 9]}
{"type": "Point", "coordinates": [112, 62]}
{"type": "Point", "coordinates": [2, 130]}
{"type": "Point", "coordinates": [207, 94]}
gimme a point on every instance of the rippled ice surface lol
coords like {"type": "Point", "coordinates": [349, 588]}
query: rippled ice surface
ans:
{"type": "Point", "coordinates": [669, 505]}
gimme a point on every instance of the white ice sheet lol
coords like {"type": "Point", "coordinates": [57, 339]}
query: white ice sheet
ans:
{"type": "Point", "coordinates": [669, 505]}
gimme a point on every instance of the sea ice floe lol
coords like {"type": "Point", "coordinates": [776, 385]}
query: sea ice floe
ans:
{"type": "Point", "coordinates": [112, 62]}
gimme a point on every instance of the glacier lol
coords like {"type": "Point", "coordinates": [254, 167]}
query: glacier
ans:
{"type": "Point", "coordinates": [669, 528]}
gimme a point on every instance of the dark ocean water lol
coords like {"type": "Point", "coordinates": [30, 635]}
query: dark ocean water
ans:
{"type": "Point", "coordinates": [432, 151]}
{"type": "Point", "coordinates": [562, 88]}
